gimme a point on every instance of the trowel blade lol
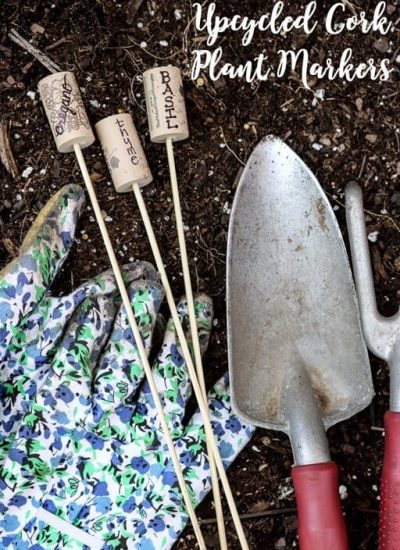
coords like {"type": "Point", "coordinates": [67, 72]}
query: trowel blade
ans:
{"type": "Point", "coordinates": [292, 311]}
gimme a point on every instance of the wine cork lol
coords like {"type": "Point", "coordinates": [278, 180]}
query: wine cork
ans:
{"type": "Point", "coordinates": [165, 104]}
{"type": "Point", "coordinates": [64, 108]}
{"type": "Point", "coordinates": [123, 152]}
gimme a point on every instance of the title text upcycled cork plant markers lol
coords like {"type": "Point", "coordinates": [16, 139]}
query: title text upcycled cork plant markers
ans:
{"type": "Point", "coordinates": [337, 20]}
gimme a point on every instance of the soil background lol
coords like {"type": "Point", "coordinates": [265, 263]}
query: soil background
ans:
{"type": "Point", "coordinates": [350, 134]}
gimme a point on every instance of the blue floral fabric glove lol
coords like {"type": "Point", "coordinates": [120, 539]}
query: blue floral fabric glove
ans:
{"type": "Point", "coordinates": [83, 461]}
{"type": "Point", "coordinates": [89, 467]}
{"type": "Point", "coordinates": [31, 320]}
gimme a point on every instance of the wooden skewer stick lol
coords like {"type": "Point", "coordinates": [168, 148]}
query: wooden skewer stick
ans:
{"type": "Point", "coordinates": [167, 122]}
{"type": "Point", "coordinates": [139, 342]}
{"type": "Point", "coordinates": [73, 136]}
{"type": "Point", "coordinates": [119, 139]}
{"type": "Point", "coordinates": [194, 334]}
{"type": "Point", "coordinates": [202, 402]}
{"type": "Point", "coordinates": [35, 52]}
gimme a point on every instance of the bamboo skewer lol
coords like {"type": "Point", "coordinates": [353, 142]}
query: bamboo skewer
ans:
{"type": "Point", "coordinates": [129, 170]}
{"type": "Point", "coordinates": [194, 334]}
{"type": "Point", "coordinates": [167, 122]}
{"type": "Point", "coordinates": [219, 513]}
{"type": "Point", "coordinates": [71, 130]}
{"type": "Point", "coordinates": [186, 354]}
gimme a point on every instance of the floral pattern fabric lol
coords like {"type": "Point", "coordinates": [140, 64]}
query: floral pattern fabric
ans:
{"type": "Point", "coordinates": [79, 434]}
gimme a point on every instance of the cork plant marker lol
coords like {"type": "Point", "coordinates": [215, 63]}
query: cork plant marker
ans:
{"type": "Point", "coordinates": [167, 119]}
{"type": "Point", "coordinates": [72, 132]}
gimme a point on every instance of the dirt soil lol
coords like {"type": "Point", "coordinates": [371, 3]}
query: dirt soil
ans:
{"type": "Point", "coordinates": [353, 134]}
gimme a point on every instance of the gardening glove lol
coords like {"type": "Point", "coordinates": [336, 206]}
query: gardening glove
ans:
{"type": "Point", "coordinates": [31, 321]}
{"type": "Point", "coordinates": [90, 467]}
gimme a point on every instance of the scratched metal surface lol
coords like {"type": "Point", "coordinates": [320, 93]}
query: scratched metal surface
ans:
{"type": "Point", "coordinates": [293, 321]}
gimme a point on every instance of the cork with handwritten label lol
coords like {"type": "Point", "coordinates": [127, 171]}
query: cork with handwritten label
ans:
{"type": "Point", "coordinates": [165, 104]}
{"type": "Point", "coordinates": [123, 152]}
{"type": "Point", "coordinates": [65, 111]}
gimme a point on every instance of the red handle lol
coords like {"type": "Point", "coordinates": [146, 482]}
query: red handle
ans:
{"type": "Point", "coordinates": [389, 518]}
{"type": "Point", "coordinates": [320, 516]}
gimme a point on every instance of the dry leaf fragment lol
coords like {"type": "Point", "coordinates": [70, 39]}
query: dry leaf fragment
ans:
{"type": "Point", "coordinates": [35, 28]}
{"type": "Point", "coordinates": [6, 155]}
{"type": "Point", "coordinates": [259, 506]}
{"type": "Point", "coordinates": [11, 248]}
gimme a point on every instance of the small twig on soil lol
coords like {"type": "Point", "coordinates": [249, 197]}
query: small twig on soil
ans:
{"type": "Point", "coordinates": [253, 515]}
{"type": "Point", "coordinates": [197, 277]}
{"type": "Point", "coordinates": [212, 253]}
{"type": "Point", "coordinates": [368, 510]}
{"type": "Point", "coordinates": [133, 97]}
{"type": "Point", "coordinates": [288, 102]}
{"type": "Point", "coordinates": [398, 142]}
{"type": "Point", "coordinates": [185, 40]}
{"type": "Point", "coordinates": [39, 55]}
{"type": "Point", "coordinates": [373, 214]}
{"type": "Point", "coordinates": [57, 43]}
{"type": "Point", "coordinates": [11, 248]}
{"type": "Point", "coordinates": [350, 6]}
{"type": "Point", "coordinates": [364, 160]}
{"type": "Point", "coordinates": [6, 154]}
{"type": "Point", "coordinates": [385, 217]}
{"type": "Point", "coordinates": [132, 79]}
{"type": "Point", "coordinates": [377, 429]}
{"type": "Point", "coordinates": [229, 148]}
{"type": "Point", "coordinates": [267, 513]}
{"type": "Point", "coordinates": [133, 8]}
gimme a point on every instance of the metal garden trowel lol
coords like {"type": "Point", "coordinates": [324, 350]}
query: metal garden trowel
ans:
{"type": "Point", "coordinates": [297, 358]}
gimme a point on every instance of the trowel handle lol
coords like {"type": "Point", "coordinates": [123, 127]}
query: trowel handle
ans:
{"type": "Point", "coordinates": [320, 516]}
{"type": "Point", "coordinates": [389, 518]}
